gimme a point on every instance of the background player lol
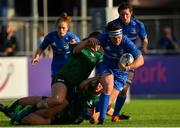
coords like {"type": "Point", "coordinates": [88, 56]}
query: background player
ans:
{"type": "Point", "coordinates": [59, 40]}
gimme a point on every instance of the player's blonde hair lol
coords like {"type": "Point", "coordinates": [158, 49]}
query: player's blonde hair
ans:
{"type": "Point", "coordinates": [64, 18]}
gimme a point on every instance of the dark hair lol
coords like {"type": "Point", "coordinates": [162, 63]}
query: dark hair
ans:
{"type": "Point", "coordinates": [93, 34]}
{"type": "Point", "coordinates": [125, 5]}
{"type": "Point", "coordinates": [113, 27]}
{"type": "Point", "coordinates": [64, 17]}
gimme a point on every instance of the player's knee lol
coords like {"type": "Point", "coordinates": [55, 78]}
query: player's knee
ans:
{"type": "Point", "coordinates": [59, 100]}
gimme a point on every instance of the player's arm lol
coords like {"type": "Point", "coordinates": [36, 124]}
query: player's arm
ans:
{"type": "Point", "coordinates": [144, 45]}
{"type": "Point", "coordinates": [37, 56]}
{"type": "Point", "coordinates": [40, 50]}
{"type": "Point", "coordinates": [138, 62]}
{"type": "Point", "coordinates": [79, 47]}
{"type": "Point", "coordinates": [84, 85]}
{"type": "Point", "coordinates": [83, 44]}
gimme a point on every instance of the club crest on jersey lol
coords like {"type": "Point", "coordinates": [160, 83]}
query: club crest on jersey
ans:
{"type": "Point", "coordinates": [66, 46]}
{"type": "Point", "coordinates": [133, 31]}
{"type": "Point", "coordinates": [107, 48]}
{"type": "Point", "coordinates": [67, 38]}
{"type": "Point", "coordinates": [121, 52]}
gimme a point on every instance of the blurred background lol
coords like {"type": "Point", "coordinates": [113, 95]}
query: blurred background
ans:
{"type": "Point", "coordinates": [30, 20]}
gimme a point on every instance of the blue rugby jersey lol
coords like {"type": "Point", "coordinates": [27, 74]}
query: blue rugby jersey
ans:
{"type": "Point", "coordinates": [61, 50]}
{"type": "Point", "coordinates": [132, 30]}
{"type": "Point", "coordinates": [112, 53]}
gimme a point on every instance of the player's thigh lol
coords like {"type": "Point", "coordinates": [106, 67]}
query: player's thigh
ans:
{"type": "Point", "coordinates": [35, 119]}
{"type": "Point", "coordinates": [59, 91]}
{"type": "Point", "coordinates": [32, 100]}
{"type": "Point", "coordinates": [56, 109]}
{"type": "Point", "coordinates": [107, 80]}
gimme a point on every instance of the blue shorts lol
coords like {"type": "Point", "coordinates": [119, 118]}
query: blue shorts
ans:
{"type": "Point", "coordinates": [119, 76]}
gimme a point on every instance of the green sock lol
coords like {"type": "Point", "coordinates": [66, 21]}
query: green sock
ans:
{"type": "Point", "coordinates": [17, 109]}
{"type": "Point", "coordinates": [13, 106]}
{"type": "Point", "coordinates": [26, 110]}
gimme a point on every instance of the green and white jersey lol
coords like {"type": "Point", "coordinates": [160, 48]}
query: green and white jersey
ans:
{"type": "Point", "coordinates": [79, 67]}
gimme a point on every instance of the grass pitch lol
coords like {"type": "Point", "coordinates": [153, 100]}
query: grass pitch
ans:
{"type": "Point", "coordinates": [144, 113]}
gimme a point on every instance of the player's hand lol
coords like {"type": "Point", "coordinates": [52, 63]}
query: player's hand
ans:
{"type": "Point", "coordinates": [124, 67]}
{"type": "Point", "coordinates": [34, 60]}
{"type": "Point", "coordinates": [73, 42]}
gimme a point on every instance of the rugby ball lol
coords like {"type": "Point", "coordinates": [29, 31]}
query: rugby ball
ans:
{"type": "Point", "coordinates": [126, 59]}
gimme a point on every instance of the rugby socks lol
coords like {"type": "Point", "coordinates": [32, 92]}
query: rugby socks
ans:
{"type": "Point", "coordinates": [26, 111]}
{"type": "Point", "coordinates": [21, 113]}
{"type": "Point", "coordinates": [119, 103]}
{"type": "Point", "coordinates": [17, 109]}
{"type": "Point", "coordinates": [104, 102]}
{"type": "Point", "coordinates": [13, 106]}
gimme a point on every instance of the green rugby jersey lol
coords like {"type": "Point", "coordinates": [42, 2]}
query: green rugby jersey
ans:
{"type": "Point", "coordinates": [79, 67]}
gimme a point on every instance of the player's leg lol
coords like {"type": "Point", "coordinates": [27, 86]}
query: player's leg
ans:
{"type": "Point", "coordinates": [59, 91]}
{"type": "Point", "coordinates": [43, 113]}
{"type": "Point", "coordinates": [107, 81]}
{"type": "Point", "coordinates": [9, 110]}
{"type": "Point", "coordinates": [118, 105]}
{"type": "Point", "coordinates": [36, 119]}
{"type": "Point", "coordinates": [122, 96]}
{"type": "Point", "coordinates": [20, 112]}
{"type": "Point", "coordinates": [23, 107]}
{"type": "Point", "coordinates": [4, 109]}
{"type": "Point", "coordinates": [31, 100]}
{"type": "Point", "coordinates": [51, 111]}
{"type": "Point", "coordinates": [113, 97]}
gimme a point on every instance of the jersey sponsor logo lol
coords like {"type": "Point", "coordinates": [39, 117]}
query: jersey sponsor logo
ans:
{"type": "Point", "coordinates": [60, 80]}
{"type": "Point", "coordinates": [92, 54]}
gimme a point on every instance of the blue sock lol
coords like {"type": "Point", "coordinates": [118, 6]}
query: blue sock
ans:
{"type": "Point", "coordinates": [119, 103]}
{"type": "Point", "coordinates": [104, 102]}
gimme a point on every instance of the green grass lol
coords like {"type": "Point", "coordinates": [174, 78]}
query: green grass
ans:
{"type": "Point", "coordinates": [144, 113]}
